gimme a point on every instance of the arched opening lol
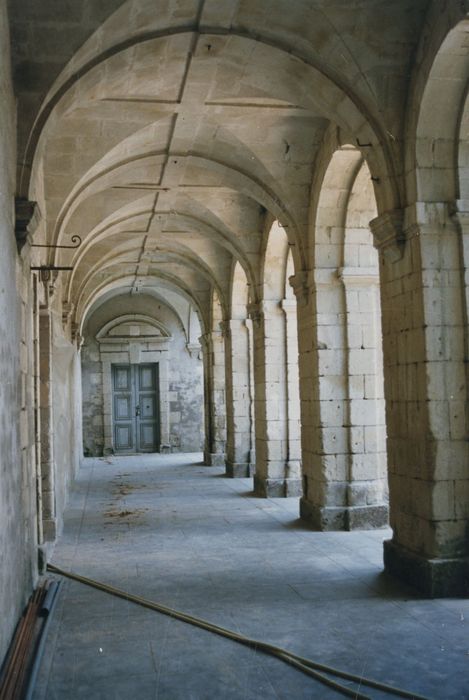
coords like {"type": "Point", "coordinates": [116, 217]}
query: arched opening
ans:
{"type": "Point", "coordinates": [142, 386]}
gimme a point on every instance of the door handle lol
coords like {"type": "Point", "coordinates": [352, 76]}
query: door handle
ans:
{"type": "Point", "coordinates": [137, 410]}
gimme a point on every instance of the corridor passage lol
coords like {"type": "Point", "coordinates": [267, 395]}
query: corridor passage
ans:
{"type": "Point", "coordinates": [167, 528]}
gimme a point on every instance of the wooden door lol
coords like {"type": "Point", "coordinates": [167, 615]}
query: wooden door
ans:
{"type": "Point", "coordinates": [135, 406]}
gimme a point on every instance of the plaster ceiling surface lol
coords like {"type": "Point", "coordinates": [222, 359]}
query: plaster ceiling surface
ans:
{"type": "Point", "coordinates": [167, 134]}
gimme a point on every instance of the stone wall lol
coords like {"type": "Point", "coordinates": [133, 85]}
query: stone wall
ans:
{"type": "Point", "coordinates": [17, 480]}
{"type": "Point", "coordinates": [181, 384]}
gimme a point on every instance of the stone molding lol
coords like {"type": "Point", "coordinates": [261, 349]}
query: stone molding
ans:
{"type": "Point", "coordinates": [358, 276]}
{"type": "Point", "coordinates": [301, 284]}
{"type": "Point", "coordinates": [288, 305]}
{"type": "Point", "coordinates": [388, 234]}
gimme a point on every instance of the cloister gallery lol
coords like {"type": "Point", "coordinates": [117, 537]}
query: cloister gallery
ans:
{"type": "Point", "coordinates": [238, 227]}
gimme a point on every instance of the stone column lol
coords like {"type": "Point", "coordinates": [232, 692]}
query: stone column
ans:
{"type": "Point", "coordinates": [238, 399]}
{"type": "Point", "coordinates": [367, 487]}
{"type": "Point", "coordinates": [252, 404]}
{"type": "Point", "coordinates": [49, 518]}
{"type": "Point", "coordinates": [214, 398]}
{"type": "Point", "coordinates": [272, 477]}
{"type": "Point", "coordinates": [322, 395]}
{"type": "Point", "coordinates": [425, 361]}
{"type": "Point", "coordinates": [293, 388]}
{"type": "Point", "coordinates": [342, 411]}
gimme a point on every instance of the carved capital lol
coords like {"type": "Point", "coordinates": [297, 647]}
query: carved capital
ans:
{"type": "Point", "coordinates": [205, 341]}
{"type": "Point", "coordinates": [388, 234]}
{"type": "Point", "coordinates": [256, 312]}
{"type": "Point", "coordinates": [75, 334]}
{"type": "Point", "coordinates": [225, 328]}
{"type": "Point", "coordinates": [194, 349]}
{"type": "Point", "coordinates": [27, 218]}
{"type": "Point", "coordinates": [301, 285]}
{"type": "Point", "coordinates": [49, 280]}
{"type": "Point", "coordinates": [67, 310]}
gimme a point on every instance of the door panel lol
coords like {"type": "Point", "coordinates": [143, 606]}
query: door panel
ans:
{"type": "Point", "coordinates": [123, 437]}
{"type": "Point", "coordinates": [123, 407]}
{"type": "Point", "coordinates": [122, 380]}
{"type": "Point", "coordinates": [136, 420]}
{"type": "Point", "coordinates": [147, 378]}
{"type": "Point", "coordinates": [147, 406]}
{"type": "Point", "coordinates": [148, 401]}
{"type": "Point", "coordinates": [147, 438]}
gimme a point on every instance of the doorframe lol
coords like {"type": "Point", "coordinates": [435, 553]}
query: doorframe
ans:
{"type": "Point", "coordinates": [135, 390]}
{"type": "Point", "coordinates": [134, 350]}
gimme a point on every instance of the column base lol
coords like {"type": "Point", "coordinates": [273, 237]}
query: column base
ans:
{"type": "Point", "coordinates": [49, 530]}
{"type": "Point", "coordinates": [277, 488]}
{"type": "Point", "coordinates": [239, 470]}
{"type": "Point", "coordinates": [214, 459]}
{"type": "Point", "coordinates": [435, 578]}
{"type": "Point", "coordinates": [44, 554]}
{"type": "Point", "coordinates": [347, 518]}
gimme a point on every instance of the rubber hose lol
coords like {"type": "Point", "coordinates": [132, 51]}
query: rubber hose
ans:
{"type": "Point", "coordinates": [311, 668]}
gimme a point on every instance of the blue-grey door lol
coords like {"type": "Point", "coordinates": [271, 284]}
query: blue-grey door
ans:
{"type": "Point", "coordinates": [135, 408]}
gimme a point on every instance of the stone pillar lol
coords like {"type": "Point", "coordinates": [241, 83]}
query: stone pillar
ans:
{"type": "Point", "coordinates": [367, 487]}
{"type": "Point", "coordinates": [425, 360]}
{"type": "Point", "coordinates": [49, 518]}
{"type": "Point", "coordinates": [272, 477]}
{"type": "Point", "coordinates": [214, 398]}
{"type": "Point", "coordinates": [293, 388]}
{"type": "Point", "coordinates": [324, 443]}
{"type": "Point", "coordinates": [238, 399]}
{"type": "Point", "coordinates": [252, 404]}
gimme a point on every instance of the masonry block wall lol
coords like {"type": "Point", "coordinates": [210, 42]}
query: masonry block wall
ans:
{"type": "Point", "coordinates": [181, 390]}
{"type": "Point", "coordinates": [17, 479]}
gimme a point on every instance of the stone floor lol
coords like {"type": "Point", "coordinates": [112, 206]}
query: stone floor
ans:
{"type": "Point", "coordinates": [170, 529]}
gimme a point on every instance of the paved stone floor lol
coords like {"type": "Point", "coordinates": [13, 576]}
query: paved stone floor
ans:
{"type": "Point", "coordinates": [170, 529]}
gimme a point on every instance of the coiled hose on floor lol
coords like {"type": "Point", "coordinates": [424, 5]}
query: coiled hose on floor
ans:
{"type": "Point", "coordinates": [307, 666]}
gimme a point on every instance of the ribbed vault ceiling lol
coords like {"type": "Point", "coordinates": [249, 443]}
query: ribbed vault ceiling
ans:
{"type": "Point", "coordinates": [168, 135]}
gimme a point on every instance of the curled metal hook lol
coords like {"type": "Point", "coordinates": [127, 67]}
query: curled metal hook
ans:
{"type": "Point", "coordinates": [75, 239]}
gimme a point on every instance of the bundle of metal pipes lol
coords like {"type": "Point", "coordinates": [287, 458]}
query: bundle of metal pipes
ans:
{"type": "Point", "coordinates": [20, 665]}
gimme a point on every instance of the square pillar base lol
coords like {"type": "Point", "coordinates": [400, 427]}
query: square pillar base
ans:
{"type": "Point", "coordinates": [435, 578]}
{"type": "Point", "coordinates": [329, 518]}
{"type": "Point", "coordinates": [49, 529]}
{"type": "Point", "coordinates": [214, 459]}
{"type": "Point", "coordinates": [277, 488]}
{"type": "Point", "coordinates": [44, 554]}
{"type": "Point", "coordinates": [239, 470]}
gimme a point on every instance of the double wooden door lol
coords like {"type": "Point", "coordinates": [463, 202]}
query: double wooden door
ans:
{"type": "Point", "coordinates": [135, 405]}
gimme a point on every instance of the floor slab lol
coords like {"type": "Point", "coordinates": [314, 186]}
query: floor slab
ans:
{"type": "Point", "coordinates": [172, 530]}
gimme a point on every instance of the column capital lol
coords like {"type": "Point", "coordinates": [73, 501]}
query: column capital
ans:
{"type": "Point", "coordinates": [301, 283]}
{"type": "Point", "coordinates": [67, 310]}
{"type": "Point", "coordinates": [27, 219]}
{"type": "Point", "coordinates": [388, 234]}
{"type": "Point", "coordinates": [205, 340]}
{"type": "Point", "coordinates": [225, 328]}
{"type": "Point", "coordinates": [193, 349]}
{"type": "Point", "coordinates": [255, 311]}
